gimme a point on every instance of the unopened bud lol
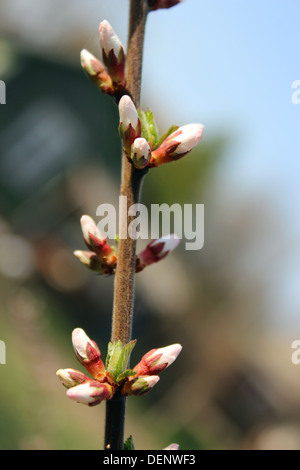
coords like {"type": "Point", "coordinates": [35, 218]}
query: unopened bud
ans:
{"type": "Point", "coordinates": [156, 360]}
{"type": "Point", "coordinates": [90, 231]}
{"type": "Point", "coordinates": [172, 447]}
{"type": "Point", "coordinates": [97, 243]}
{"type": "Point", "coordinates": [71, 377]}
{"type": "Point", "coordinates": [113, 54]}
{"type": "Point", "coordinates": [156, 251]}
{"type": "Point", "coordinates": [96, 72]}
{"type": "Point", "coordinates": [90, 393]}
{"type": "Point", "coordinates": [140, 153]}
{"type": "Point", "coordinates": [130, 125]}
{"type": "Point", "coordinates": [178, 144]}
{"type": "Point", "coordinates": [91, 261]}
{"type": "Point", "coordinates": [88, 353]}
{"type": "Point", "coordinates": [140, 385]}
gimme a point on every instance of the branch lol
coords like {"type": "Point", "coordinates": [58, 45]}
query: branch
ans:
{"type": "Point", "coordinates": [131, 181]}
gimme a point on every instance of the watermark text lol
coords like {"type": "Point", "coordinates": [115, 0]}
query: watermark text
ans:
{"type": "Point", "coordinates": [2, 92]}
{"type": "Point", "coordinates": [296, 94]}
{"type": "Point", "coordinates": [186, 221]}
{"type": "Point", "coordinates": [296, 353]}
{"type": "Point", "coordinates": [2, 352]}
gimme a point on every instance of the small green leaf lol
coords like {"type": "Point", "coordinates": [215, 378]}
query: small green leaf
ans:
{"type": "Point", "coordinates": [127, 351]}
{"type": "Point", "coordinates": [128, 444]}
{"type": "Point", "coordinates": [118, 356]}
{"type": "Point", "coordinates": [109, 351]}
{"type": "Point", "coordinates": [152, 127]}
{"type": "Point", "coordinates": [149, 130]}
{"type": "Point", "coordinates": [164, 136]}
{"type": "Point", "coordinates": [126, 373]}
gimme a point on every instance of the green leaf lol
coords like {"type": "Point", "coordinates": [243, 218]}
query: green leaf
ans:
{"type": "Point", "coordinates": [149, 130]}
{"type": "Point", "coordinates": [109, 351]}
{"type": "Point", "coordinates": [128, 444]}
{"type": "Point", "coordinates": [126, 373]}
{"type": "Point", "coordinates": [165, 135]}
{"type": "Point", "coordinates": [117, 357]}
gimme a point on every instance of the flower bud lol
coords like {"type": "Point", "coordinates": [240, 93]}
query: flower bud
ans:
{"type": "Point", "coordinates": [140, 385]}
{"type": "Point", "coordinates": [71, 377]}
{"type": "Point", "coordinates": [88, 353]}
{"type": "Point", "coordinates": [96, 72]}
{"type": "Point", "coordinates": [113, 54]}
{"type": "Point", "coordinates": [156, 251]}
{"type": "Point", "coordinates": [140, 153]}
{"type": "Point", "coordinates": [128, 113]}
{"type": "Point", "coordinates": [97, 243]}
{"type": "Point", "coordinates": [156, 360]}
{"type": "Point", "coordinates": [91, 261]}
{"type": "Point", "coordinates": [90, 231]}
{"type": "Point", "coordinates": [156, 4]}
{"type": "Point", "coordinates": [130, 125]}
{"type": "Point", "coordinates": [178, 144]}
{"type": "Point", "coordinates": [90, 393]}
{"type": "Point", "coordinates": [172, 447]}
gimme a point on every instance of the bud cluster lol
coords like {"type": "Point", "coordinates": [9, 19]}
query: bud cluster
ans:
{"type": "Point", "coordinates": [109, 76]}
{"type": "Point", "coordinates": [102, 257]}
{"type": "Point", "coordinates": [140, 141]}
{"type": "Point", "coordinates": [143, 149]}
{"type": "Point", "coordinates": [137, 128]}
{"type": "Point", "coordinates": [107, 379]}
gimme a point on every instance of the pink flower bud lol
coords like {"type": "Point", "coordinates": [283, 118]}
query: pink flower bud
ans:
{"type": "Point", "coordinates": [140, 385]}
{"type": "Point", "coordinates": [92, 261]}
{"type": "Point", "coordinates": [88, 353]}
{"type": "Point", "coordinates": [97, 243]}
{"type": "Point", "coordinates": [156, 4]}
{"type": "Point", "coordinates": [96, 72]}
{"type": "Point", "coordinates": [178, 144]}
{"type": "Point", "coordinates": [156, 251]}
{"type": "Point", "coordinates": [113, 54]}
{"type": "Point", "coordinates": [71, 377]}
{"type": "Point", "coordinates": [130, 125]}
{"type": "Point", "coordinates": [89, 228]}
{"type": "Point", "coordinates": [172, 447]}
{"type": "Point", "coordinates": [90, 393]}
{"type": "Point", "coordinates": [156, 360]}
{"type": "Point", "coordinates": [140, 152]}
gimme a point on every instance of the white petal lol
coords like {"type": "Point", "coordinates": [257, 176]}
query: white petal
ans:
{"type": "Point", "coordinates": [108, 39]}
{"type": "Point", "coordinates": [89, 226]}
{"type": "Point", "coordinates": [80, 341]}
{"type": "Point", "coordinates": [169, 354]}
{"type": "Point", "coordinates": [128, 112]}
{"type": "Point", "coordinates": [151, 380]}
{"type": "Point", "coordinates": [82, 393]}
{"type": "Point", "coordinates": [172, 447]}
{"type": "Point", "coordinates": [170, 243]}
{"type": "Point", "coordinates": [141, 149]}
{"type": "Point", "coordinates": [189, 138]}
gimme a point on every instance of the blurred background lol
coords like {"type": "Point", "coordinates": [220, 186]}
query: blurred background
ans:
{"type": "Point", "coordinates": [234, 305]}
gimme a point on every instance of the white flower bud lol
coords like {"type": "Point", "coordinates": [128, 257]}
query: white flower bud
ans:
{"type": "Point", "coordinates": [188, 137]}
{"type": "Point", "coordinates": [108, 39]}
{"type": "Point", "coordinates": [128, 113]}
{"type": "Point", "coordinates": [90, 393]}
{"type": "Point", "coordinates": [140, 152]}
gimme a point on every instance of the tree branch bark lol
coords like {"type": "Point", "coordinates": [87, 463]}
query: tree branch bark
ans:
{"type": "Point", "coordinates": [131, 181]}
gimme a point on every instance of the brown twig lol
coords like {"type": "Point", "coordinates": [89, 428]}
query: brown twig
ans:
{"type": "Point", "coordinates": [131, 181]}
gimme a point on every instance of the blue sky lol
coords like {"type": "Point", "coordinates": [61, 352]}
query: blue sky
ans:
{"type": "Point", "coordinates": [230, 65]}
